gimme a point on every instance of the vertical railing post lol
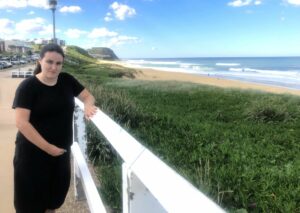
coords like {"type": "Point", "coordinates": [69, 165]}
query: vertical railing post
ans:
{"type": "Point", "coordinates": [125, 188]}
{"type": "Point", "coordinates": [79, 136]}
{"type": "Point", "coordinates": [136, 197]}
{"type": "Point", "coordinates": [80, 130]}
{"type": "Point", "coordinates": [78, 188]}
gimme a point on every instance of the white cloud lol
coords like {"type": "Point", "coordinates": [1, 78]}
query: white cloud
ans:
{"type": "Point", "coordinates": [24, 29]}
{"type": "Point", "coordinates": [6, 27]}
{"type": "Point", "coordinates": [101, 32]}
{"type": "Point", "coordinates": [106, 38]}
{"type": "Point", "coordinates": [31, 13]}
{"type": "Point", "coordinates": [239, 3]}
{"type": "Point", "coordinates": [257, 2]}
{"type": "Point", "coordinates": [122, 11]}
{"type": "Point", "coordinates": [70, 9]}
{"type": "Point", "coordinates": [108, 17]}
{"type": "Point", "coordinates": [119, 40]}
{"type": "Point", "coordinates": [23, 3]}
{"type": "Point", "coordinates": [9, 11]}
{"type": "Point", "coordinates": [90, 43]}
{"type": "Point", "coordinates": [48, 31]}
{"type": "Point", "coordinates": [38, 3]}
{"type": "Point", "coordinates": [294, 2]}
{"type": "Point", "coordinates": [12, 4]}
{"type": "Point", "coordinates": [28, 26]}
{"type": "Point", "coordinates": [74, 33]}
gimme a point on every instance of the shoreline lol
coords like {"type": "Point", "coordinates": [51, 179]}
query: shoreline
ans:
{"type": "Point", "coordinates": [160, 75]}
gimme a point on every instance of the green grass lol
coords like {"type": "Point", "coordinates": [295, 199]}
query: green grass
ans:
{"type": "Point", "coordinates": [241, 148]}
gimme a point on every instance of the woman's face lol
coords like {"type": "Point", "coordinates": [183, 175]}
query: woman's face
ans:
{"type": "Point", "coordinates": [51, 64]}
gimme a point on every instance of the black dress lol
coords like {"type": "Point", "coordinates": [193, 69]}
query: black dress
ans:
{"type": "Point", "coordinates": [41, 181]}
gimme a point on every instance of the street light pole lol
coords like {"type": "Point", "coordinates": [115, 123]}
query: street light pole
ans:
{"type": "Point", "coordinates": [52, 4]}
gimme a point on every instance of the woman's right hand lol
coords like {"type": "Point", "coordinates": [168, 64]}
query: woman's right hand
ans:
{"type": "Point", "coordinates": [55, 151]}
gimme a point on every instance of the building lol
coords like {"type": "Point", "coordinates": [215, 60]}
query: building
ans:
{"type": "Point", "coordinates": [46, 41]}
{"type": "Point", "coordinates": [61, 42]}
{"type": "Point", "coordinates": [22, 47]}
{"type": "Point", "coordinates": [16, 46]}
{"type": "Point", "coordinates": [2, 45]}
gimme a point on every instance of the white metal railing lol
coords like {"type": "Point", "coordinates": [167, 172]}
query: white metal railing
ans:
{"type": "Point", "coordinates": [149, 185]}
{"type": "Point", "coordinates": [21, 74]}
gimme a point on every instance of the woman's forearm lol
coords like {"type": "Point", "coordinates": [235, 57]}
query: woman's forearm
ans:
{"type": "Point", "coordinates": [33, 136]}
{"type": "Point", "coordinates": [89, 103]}
{"type": "Point", "coordinates": [89, 100]}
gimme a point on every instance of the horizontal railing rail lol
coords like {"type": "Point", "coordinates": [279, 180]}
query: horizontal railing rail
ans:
{"type": "Point", "coordinates": [21, 74]}
{"type": "Point", "coordinates": [149, 185]}
{"type": "Point", "coordinates": [82, 172]}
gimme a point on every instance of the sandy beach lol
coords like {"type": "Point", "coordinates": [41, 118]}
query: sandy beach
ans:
{"type": "Point", "coordinates": [160, 75]}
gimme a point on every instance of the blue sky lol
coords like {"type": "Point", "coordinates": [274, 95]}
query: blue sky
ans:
{"type": "Point", "coordinates": [162, 28]}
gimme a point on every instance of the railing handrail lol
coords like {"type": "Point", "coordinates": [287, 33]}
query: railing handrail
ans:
{"type": "Point", "coordinates": [171, 190]}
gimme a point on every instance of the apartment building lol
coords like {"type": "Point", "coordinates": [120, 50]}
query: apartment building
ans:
{"type": "Point", "coordinates": [2, 46]}
{"type": "Point", "coordinates": [17, 46]}
{"type": "Point", "coordinates": [21, 47]}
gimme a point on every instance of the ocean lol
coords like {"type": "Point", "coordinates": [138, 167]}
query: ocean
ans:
{"type": "Point", "coordinates": [275, 71]}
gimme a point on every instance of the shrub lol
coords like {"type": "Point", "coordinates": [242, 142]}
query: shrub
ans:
{"type": "Point", "coordinates": [269, 110]}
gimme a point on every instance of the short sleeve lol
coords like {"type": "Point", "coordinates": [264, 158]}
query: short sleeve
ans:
{"type": "Point", "coordinates": [24, 96]}
{"type": "Point", "coordinates": [77, 87]}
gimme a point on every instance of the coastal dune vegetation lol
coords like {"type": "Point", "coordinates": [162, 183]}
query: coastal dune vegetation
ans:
{"type": "Point", "coordinates": [239, 147]}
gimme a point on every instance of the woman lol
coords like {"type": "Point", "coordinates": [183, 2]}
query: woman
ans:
{"type": "Point", "coordinates": [44, 106]}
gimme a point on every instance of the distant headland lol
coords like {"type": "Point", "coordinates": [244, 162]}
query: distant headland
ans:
{"type": "Point", "coordinates": [103, 53]}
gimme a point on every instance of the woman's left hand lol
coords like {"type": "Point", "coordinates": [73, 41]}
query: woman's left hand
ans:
{"type": "Point", "coordinates": [89, 111]}
{"type": "Point", "coordinates": [89, 103]}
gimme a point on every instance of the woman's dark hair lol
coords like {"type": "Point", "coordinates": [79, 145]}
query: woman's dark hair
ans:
{"type": "Point", "coordinates": [45, 49]}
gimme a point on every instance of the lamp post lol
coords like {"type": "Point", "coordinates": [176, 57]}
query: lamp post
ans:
{"type": "Point", "coordinates": [52, 4]}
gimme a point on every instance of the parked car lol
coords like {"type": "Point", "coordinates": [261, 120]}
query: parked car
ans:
{"type": "Point", "coordinates": [6, 64]}
{"type": "Point", "coordinates": [5, 58]}
{"type": "Point", "coordinates": [28, 74]}
{"type": "Point", "coordinates": [15, 62]}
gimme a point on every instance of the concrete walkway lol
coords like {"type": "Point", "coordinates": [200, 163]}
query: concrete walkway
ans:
{"type": "Point", "coordinates": [8, 132]}
{"type": "Point", "coordinates": [7, 138]}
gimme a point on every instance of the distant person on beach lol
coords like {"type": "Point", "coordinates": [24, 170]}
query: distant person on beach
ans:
{"type": "Point", "coordinates": [44, 105]}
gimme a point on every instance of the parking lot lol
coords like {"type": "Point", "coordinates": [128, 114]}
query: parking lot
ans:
{"type": "Point", "coordinates": [7, 62]}
{"type": "Point", "coordinates": [18, 71]}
